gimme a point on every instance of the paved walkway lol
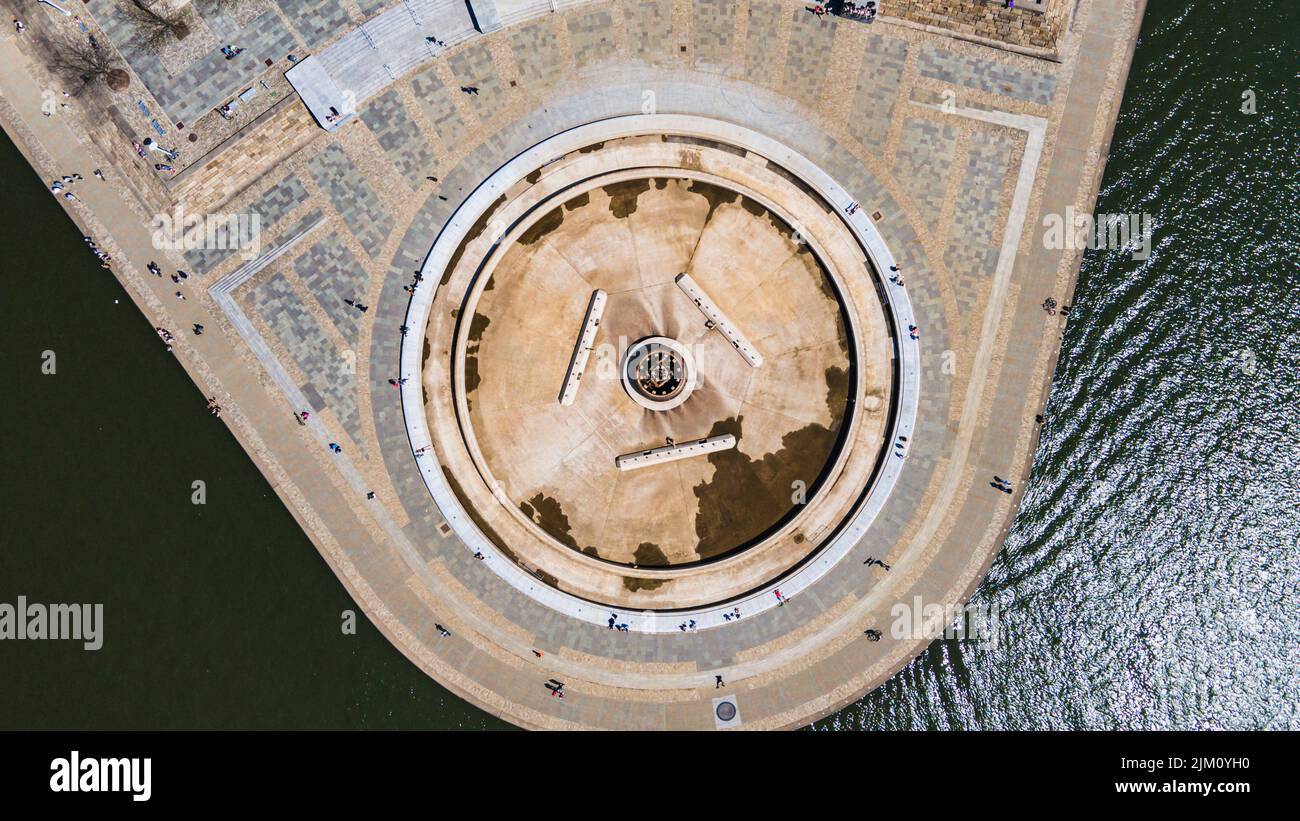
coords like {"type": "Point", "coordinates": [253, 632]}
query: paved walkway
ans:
{"type": "Point", "coordinates": [390, 45]}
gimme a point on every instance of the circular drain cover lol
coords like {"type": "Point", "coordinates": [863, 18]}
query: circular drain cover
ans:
{"type": "Point", "coordinates": [726, 711]}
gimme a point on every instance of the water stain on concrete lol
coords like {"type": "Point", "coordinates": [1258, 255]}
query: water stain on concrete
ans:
{"type": "Point", "coordinates": [648, 554]}
{"type": "Point", "coordinates": [837, 389]}
{"type": "Point", "coordinates": [633, 584]}
{"type": "Point", "coordinates": [746, 497]}
{"type": "Point", "coordinates": [547, 513]}
{"type": "Point", "coordinates": [553, 219]}
{"type": "Point", "coordinates": [472, 377]}
{"type": "Point", "coordinates": [713, 194]}
{"type": "Point", "coordinates": [757, 209]}
{"type": "Point", "coordinates": [623, 196]}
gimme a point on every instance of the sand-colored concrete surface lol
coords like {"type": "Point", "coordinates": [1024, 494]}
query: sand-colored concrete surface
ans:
{"type": "Point", "coordinates": [630, 240]}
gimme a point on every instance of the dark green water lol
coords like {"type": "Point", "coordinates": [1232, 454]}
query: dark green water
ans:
{"type": "Point", "coordinates": [1149, 581]}
{"type": "Point", "coordinates": [219, 615]}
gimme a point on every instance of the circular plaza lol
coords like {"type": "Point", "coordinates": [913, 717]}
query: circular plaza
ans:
{"type": "Point", "coordinates": [660, 372]}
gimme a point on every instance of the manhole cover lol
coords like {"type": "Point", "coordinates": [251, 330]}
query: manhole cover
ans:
{"type": "Point", "coordinates": [726, 711]}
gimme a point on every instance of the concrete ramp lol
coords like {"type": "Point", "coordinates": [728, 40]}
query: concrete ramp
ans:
{"type": "Point", "coordinates": [327, 102]}
{"type": "Point", "coordinates": [392, 44]}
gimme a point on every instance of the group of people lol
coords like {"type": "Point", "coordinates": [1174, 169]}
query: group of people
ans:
{"type": "Point", "coordinates": [148, 144]}
{"type": "Point", "coordinates": [105, 261]}
{"type": "Point", "coordinates": [142, 150]}
{"type": "Point", "coordinates": [1050, 306]}
{"type": "Point", "coordinates": [166, 336]}
{"type": "Point", "coordinates": [865, 12]}
{"type": "Point", "coordinates": [176, 277]}
{"type": "Point", "coordinates": [415, 283]}
{"type": "Point", "coordinates": [60, 187]}
{"type": "Point", "coordinates": [231, 52]}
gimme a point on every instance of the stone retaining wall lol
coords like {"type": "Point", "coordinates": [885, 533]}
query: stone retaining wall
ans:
{"type": "Point", "coordinates": [985, 18]}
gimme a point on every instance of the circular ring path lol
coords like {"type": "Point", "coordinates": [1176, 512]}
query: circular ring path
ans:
{"type": "Point", "coordinates": [634, 642]}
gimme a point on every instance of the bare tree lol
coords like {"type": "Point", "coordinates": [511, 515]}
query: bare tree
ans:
{"type": "Point", "coordinates": [81, 64]}
{"type": "Point", "coordinates": [153, 28]}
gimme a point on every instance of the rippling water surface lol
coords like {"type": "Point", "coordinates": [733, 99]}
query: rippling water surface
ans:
{"type": "Point", "coordinates": [1150, 578]}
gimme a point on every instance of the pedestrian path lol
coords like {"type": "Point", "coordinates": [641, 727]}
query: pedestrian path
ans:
{"type": "Point", "coordinates": [367, 59]}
